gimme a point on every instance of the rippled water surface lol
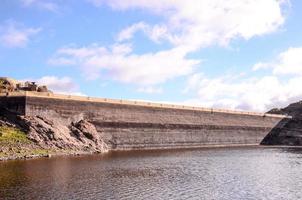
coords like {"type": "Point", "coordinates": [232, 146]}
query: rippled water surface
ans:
{"type": "Point", "coordinates": [221, 173]}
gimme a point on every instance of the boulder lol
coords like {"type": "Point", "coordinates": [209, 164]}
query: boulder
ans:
{"type": "Point", "coordinates": [7, 84]}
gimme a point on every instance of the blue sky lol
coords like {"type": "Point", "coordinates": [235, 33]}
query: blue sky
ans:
{"type": "Point", "coordinates": [225, 54]}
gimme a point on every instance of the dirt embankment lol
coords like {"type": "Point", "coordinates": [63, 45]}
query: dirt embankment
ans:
{"type": "Point", "coordinates": [27, 137]}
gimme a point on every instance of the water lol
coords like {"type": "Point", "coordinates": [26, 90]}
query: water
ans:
{"type": "Point", "coordinates": [221, 173]}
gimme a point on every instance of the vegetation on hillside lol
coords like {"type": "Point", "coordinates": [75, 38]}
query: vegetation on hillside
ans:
{"type": "Point", "coordinates": [14, 144]}
{"type": "Point", "coordinates": [11, 135]}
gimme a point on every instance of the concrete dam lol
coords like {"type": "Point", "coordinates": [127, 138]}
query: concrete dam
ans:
{"type": "Point", "coordinates": [127, 125]}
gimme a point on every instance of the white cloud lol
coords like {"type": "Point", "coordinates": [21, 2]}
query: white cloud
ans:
{"type": "Point", "coordinates": [121, 64]}
{"type": "Point", "coordinates": [63, 85]}
{"type": "Point", "coordinates": [258, 94]}
{"type": "Point", "coordinates": [201, 23]}
{"type": "Point", "coordinates": [128, 33]}
{"type": "Point", "coordinates": [150, 90]}
{"type": "Point", "coordinates": [41, 4]}
{"type": "Point", "coordinates": [253, 93]}
{"type": "Point", "coordinates": [16, 35]}
{"type": "Point", "coordinates": [155, 33]}
{"type": "Point", "coordinates": [261, 65]}
{"type": "Point", "coordinates": [288, 62]}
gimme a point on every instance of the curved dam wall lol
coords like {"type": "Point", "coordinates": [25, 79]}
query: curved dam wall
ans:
{"type": "Point", "coordinates": [142, 125]}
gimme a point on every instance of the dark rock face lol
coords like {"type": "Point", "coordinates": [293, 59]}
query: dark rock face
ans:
{"type": "Point", "coordinates": [294, 110]}
{"type": "Point", "coordinates": [288, 131]}
{"type": "Point", "coordinates": [56, 134]}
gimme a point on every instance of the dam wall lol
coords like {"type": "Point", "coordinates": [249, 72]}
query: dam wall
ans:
{"type": "Point", "coordinates": [144, 125]}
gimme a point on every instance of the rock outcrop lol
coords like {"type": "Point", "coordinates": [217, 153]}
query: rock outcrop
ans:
{"type": "Point", "coordinates": [11, 85]}
{"type": "Point", "coordinates": [288, 131]}
{"type": "Point", "coordinates": [54, 134]}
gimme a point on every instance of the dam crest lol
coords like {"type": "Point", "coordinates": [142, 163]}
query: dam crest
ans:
{"type": "Point", "coordinates": [133, 102]}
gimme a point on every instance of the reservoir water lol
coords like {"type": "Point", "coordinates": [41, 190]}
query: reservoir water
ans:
{"type": "Point", "coordinates": [213, 173]}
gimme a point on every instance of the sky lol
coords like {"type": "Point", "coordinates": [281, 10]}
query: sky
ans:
{"type": "Point", "coordinates": [231, 54]}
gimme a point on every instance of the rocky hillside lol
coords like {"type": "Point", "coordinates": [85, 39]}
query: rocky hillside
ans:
{"type": "Point", "coordinates": [288, 131]}
{"type": "Point", "coordinates": [25, 136]}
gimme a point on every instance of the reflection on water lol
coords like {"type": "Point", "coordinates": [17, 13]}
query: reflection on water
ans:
{"type": "Point", "coordinates": [221, 173]}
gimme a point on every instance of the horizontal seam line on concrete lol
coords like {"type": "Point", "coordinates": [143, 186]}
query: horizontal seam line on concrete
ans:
{"type": "Point", "coordinates": [185, 126]}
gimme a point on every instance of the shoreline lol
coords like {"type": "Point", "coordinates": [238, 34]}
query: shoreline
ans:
{"type": "Point", "coordinates": [47, 155]}
{"type": "Point", "coordinates": [52, 154]}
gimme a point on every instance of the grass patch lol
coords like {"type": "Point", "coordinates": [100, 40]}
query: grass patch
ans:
{"type": "Point", "coordinates": [40, 151]}
{"type": "Point", "coordinates": [15, 144]}
{"type": "Point", "coordinates": [12, 135]}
